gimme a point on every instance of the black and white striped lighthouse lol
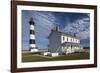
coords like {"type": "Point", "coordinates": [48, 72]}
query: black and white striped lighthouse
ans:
{"type": "Point", "coordinates": [32, 44]}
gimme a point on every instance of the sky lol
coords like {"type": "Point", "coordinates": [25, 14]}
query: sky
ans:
{"type": "Point", "coordinates": [45, 21]}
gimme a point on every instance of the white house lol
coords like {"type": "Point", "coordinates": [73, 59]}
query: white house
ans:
{"type": "Point", "coordinates": [63, 43]}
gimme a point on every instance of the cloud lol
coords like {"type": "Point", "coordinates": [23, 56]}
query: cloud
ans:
{"type": "Point", "coordinates": [84, 34]}
{"type": "Point", "coordinates": [80, 27]}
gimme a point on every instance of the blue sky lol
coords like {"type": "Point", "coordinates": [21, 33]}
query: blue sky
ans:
{"type": "Point", "coordinates": [68, 22]}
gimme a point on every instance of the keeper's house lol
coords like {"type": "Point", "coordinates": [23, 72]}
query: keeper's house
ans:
{"type": "Point", "coordinates": [63, 43]}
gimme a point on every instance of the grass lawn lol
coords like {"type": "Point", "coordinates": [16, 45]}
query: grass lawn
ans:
{"type": "Point", "coordinates": [29, 57]}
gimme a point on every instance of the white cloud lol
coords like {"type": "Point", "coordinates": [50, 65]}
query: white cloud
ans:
{"type": "Point", "coordinates": [84, 34]}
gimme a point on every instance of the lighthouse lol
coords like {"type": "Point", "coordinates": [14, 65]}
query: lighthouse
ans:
{"type": "Point", "coordinates": [32, 42]}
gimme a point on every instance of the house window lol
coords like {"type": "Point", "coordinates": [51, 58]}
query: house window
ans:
{"type": "Point", "coordinates": [71, 39]}
{"type": "Point", "coordinates": [71, 46]}
{"type": "Point", "coordinates": [67, 39]}
{"type": "Point", "coordinates": [63, 38]}
{"type": "Point", "coordinates": [76, 40]}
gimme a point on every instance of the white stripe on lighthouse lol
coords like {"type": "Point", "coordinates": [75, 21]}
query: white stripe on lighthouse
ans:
{"type": "Point", "coordinates": [32, 45]}
{"type": "Point", "coordinates": [32, 36]}
{"type": "Point", "coordinates": [31, 27]}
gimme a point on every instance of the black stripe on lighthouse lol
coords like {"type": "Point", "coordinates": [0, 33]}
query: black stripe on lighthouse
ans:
{"type": "Point", "coordinates": [32, 41]}
{"type": "Point", "coordinates": [32, 32]}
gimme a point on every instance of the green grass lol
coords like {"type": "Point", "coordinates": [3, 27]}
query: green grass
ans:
{"type": "Point", "coordinates": [29, 57]}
